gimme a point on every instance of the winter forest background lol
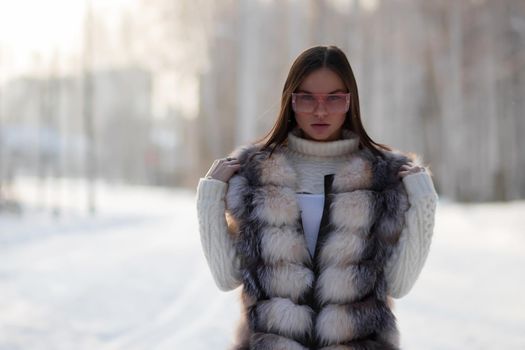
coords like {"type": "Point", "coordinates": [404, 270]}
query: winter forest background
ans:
{"type": "Point", "coordinates": [111, 110]}
{"type": "Point", "coordinates": [152, 92]}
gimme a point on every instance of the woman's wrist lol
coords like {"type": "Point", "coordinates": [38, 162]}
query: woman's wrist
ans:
{"type": "Point", "coordinates": [211, 189]}
{"type": "Point", "coordinates": [209, 177]}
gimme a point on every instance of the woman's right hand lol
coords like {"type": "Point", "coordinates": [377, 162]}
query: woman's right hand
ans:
{"type": "Point", "coordinates": [223, 169]}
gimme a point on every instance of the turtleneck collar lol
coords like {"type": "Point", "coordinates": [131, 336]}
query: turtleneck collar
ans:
{"type": "Point", "coordinates": [348, 144]}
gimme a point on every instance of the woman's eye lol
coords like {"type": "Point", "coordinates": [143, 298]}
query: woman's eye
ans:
{"type": "Point", "coordinates": [334, 98]}
{"type": "Point", "coordinates": [307, 98]}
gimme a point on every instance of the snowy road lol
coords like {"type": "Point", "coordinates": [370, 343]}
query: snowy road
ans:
{"type": "Point", "coordinates": [134, 277]}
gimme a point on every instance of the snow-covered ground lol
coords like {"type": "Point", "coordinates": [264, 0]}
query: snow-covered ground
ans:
{"type": "Point", "coordinates": [134, 277]}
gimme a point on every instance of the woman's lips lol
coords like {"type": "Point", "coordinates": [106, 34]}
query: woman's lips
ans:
{"type": "Point", "coordinates": [320, 127]}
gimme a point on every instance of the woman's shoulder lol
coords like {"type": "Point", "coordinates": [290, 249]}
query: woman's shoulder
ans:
{"type": "Point", "coordinates": [392, 155]}
{"type": "Point", "coordinates": [250, 151]}
{"type": "Point", "coordinates": [385, 163]}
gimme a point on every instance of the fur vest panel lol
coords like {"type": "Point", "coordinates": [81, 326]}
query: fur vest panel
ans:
{"type": "Point", "coordinates": [335, 300]}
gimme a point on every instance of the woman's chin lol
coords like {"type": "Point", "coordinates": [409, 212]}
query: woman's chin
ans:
{"type": "Point", "coordinates": [320, 135]}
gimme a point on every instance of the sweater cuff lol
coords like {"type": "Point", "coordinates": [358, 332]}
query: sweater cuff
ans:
{"type": "Point", "coordinates": [211, 190]}
{"type": "Point", "coordinates": [419, 185]}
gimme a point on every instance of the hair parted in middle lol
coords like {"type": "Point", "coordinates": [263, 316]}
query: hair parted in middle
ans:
{"type": "Point", "coordinates": [308, 61]}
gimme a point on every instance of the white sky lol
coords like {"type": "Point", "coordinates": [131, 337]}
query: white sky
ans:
{"type": "Point", "coordinates": [31, 28]}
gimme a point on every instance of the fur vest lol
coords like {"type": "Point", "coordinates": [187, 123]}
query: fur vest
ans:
{"type": "Point", "coordinates": [337, 299]}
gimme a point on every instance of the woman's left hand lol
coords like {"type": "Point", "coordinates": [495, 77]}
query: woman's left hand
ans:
{"type": "Point", "coordinates": [409, 168]}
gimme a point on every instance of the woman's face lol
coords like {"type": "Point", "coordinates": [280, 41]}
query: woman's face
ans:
{"type": "Point", "coordinates": [321, 125]}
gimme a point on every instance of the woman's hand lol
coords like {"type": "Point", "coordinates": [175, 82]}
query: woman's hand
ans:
{"type": "Point", "coordinates": [408, 169]}
{"type": "Point", "coordinates": [223, 169]}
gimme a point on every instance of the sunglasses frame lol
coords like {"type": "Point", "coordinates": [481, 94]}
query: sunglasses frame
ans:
{"type": "Point", "coordinates": [320, 97]}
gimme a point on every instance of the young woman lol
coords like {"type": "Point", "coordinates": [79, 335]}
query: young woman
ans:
{"type": "Point", "coordinates": [320, 225]}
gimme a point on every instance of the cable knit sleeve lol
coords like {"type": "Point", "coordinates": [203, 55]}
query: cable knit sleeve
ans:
{"type": "Point", "coordinates": [215, 239]}
{"type": "Point", "coordinates": [410, 254]}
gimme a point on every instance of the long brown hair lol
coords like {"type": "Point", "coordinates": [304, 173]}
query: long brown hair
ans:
{"type": "Point", "coordinates": [314, 58]}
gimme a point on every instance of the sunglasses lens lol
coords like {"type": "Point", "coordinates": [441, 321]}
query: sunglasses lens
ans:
{"type": "Point", "coordinates": [308, 103]}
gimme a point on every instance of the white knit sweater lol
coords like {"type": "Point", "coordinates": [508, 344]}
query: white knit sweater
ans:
{"type": "Point", "coordinates": [312, 160]}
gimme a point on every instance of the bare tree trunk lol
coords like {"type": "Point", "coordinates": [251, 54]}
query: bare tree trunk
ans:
{"type": "Point", "coordinates": [356, 40]}
{"type": "Point", "coordinates": [317, 25]}
{"type": "Point", "coordinates": [452, 175]}
{"type": "Point", "coordinates": [247, 80]}
{"type": "Point", "coordinates": [42, 115]}
{"type": "Point", "coordinates": [55, 161]}
{"type": "Point", "coordinates": [379, 63]}
{"type": "Point", "coordinates": [210, 112]}
{"type": "Point", "coordinates": [297, 40]}
{"type": "Point", "coordinates": [87, 108]}
{"type": "Point", "coordinates": [430, 113]}
{"type": "Point", "coordinates": [489, 161]}
{"type": "Point", "coordinates": [514, 154]}
{"type": "Point", "coordinates": [192, 176]}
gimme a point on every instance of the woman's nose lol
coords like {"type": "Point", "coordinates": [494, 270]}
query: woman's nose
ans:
{"type": "Point", "coordinates": [320, 110]}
